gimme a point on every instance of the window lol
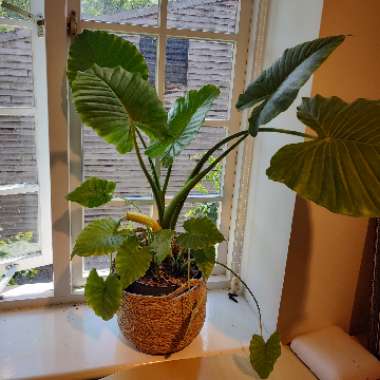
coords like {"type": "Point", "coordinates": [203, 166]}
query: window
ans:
{"type": "Point", "coordinates": [186, 43]}
{"type": "Point", "coordinates": [25, 223]}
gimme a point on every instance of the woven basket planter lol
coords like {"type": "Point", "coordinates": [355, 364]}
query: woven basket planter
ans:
{"type": "Point", "coordinates": [161, 325]}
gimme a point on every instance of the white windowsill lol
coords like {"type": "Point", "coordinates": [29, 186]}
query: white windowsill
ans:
{"type": "Point", "coordinates": [70, 342]}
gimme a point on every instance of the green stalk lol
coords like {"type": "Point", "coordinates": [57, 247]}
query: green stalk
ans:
{"type": "Point", "coordinates": [154, 171]}
{"type": "Point", "coordinates": [156, 192]}
{"type": "Point", "coordinates": [167, 178]}
{"type": "Point", "coordinates": [209, 153]}
{"type": "Point", "coordinates": [184, 192]}
{"type": "Point", "coordinates": [288, 132]}
{"type": "Point", "coordinates": [249, 291]}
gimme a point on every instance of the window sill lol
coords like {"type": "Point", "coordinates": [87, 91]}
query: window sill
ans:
{"type": "Point", "coordinates": [70, 342]}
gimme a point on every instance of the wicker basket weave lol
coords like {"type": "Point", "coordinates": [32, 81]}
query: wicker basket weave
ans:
{"type": "Point", "coordinates": [165, 324]}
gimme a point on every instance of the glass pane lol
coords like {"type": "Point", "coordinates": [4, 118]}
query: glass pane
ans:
{"type": "Point", "coordinates": [190, 64]}
{"type": "Point", "coordinates": [116, 212]}
{"type": "Point", "coordinates": [19, 240]}
{"type": "Point", "coordinates": [23, 4]}
{"type": "Point", "coordinates": [186, 161]}
{"type": "Point", "coordinates": [16, 70]}
{"type": "Point", "coordinates": [209, 15]}
{"type": "Point", "coordinates": [135, 12]}
{"type": "Point", "coordinates": [101, 159]}
{"type": "Point", "coordinates": [193, 210]}
{"type": "Point", "coordinates": [18, 163]}
{"type": "Point", "coordinates": [147, 45]}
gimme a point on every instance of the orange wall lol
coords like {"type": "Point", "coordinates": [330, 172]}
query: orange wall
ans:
{"type": "Point", "coordinates": [326, 250]}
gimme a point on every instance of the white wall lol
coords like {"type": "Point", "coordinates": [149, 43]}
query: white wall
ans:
{"type": "Point", "coordinates": [270, 204]}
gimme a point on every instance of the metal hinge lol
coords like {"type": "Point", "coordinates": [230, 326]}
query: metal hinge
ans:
{"type": "Point", "coordinates": [72, 24]}
{"type": "Point", "coordinates": [37, 19]}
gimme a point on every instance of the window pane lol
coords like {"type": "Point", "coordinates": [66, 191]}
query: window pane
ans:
{"type": "Point", "coordinates": [23, 4]}
{"type": "Point", "coordinates": [136, 12]}
{"type": "Point", "coordinates": [19, 215]}
{"type": "Point", "coordinates": [116, 212]}
{"type": "Point", "coordinates": [16, 71]}
{"type": "Point", "coordinates": [193, 210]}
{"type": "Point", "coordinates": [17, 150]}
{"type": "Point", "coordinates": [190, 64]}
{"type": "Point", "coordinates": [101, 159]}
{"type": "Point", "coordinates": [147, 45]}
{"type": "Point", "coordinates": [185, 162]}
{"type": "Point", "coordinates": [207, 15]}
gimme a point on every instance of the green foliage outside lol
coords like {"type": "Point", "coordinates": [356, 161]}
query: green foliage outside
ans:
{"type": "Point", "coordinates": [336, 166]}
{"type": "Point", "coordinates": [106, 7]}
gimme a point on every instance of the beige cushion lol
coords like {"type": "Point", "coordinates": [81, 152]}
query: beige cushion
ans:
{"type": "Point", "coordinates": [331, 354]}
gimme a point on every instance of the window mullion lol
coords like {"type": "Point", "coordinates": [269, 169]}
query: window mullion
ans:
{"type": "Point", "coordinates": [42, 138]}
{"type": "Point", "coordinates": [56, 35]}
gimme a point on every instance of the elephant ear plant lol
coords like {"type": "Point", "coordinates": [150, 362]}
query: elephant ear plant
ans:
{"type": "Point", "coordinates": [336, 164]}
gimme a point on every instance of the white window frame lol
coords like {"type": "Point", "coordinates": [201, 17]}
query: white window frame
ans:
{"type": "Point", "coordinates": [231, 123]}
{"type": "Point", "coordinates": [39, 112]}
{"type": "Point", "coordinates": [65, 151]}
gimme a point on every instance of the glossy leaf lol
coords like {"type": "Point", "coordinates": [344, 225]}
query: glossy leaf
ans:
{"type": "Point", "coordinates": [340, 169]}
{"type": "Point", "coordinates": [103, 295]}
{"type": "Point", "coordinates": [263, 355]}
{"type": "Point", "coordinates": [132, 261]}
{"type": "Point", "coordinates": [98, 238]}
{"type": "Point", "coordinates": [114, 101]}
{"type": "Point", "coordinates": [185, 118]}
{"type": "Point", "coordinates": [205, 260]}
{"type": "Point", "coordinates": [278, 85]}
{"type": "Point", "coordinates": [200, 233]}
{"type": "Point", "coordinates": [162, 245]}
{"type": "Point", "coordinates": [93, 192]}
{"type": "Point", "coordinates": [105, 50]}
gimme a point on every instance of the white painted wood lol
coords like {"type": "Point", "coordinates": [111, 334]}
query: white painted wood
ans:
{"type": "Point", "coordinates": [56, 36]}
{"type": "Point", "coordinates": [270, 204]}
{"type": "Point", "coordinates": [18, 189]}
{"type": "Point", "coordinates": [42, 138]}
{"type": "Point", "coordinates": [71, 342]}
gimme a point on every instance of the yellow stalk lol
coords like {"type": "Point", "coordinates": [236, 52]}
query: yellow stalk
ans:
{"type": "Point", "coordinates": [143, 219]}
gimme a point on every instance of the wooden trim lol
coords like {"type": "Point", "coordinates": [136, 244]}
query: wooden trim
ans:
{"type": "Point", "coordinates": [56, 35]}
{"type": "Point", "coordinates": [156, 30]}
{"type": "Point", "coordinates": [245, 154]}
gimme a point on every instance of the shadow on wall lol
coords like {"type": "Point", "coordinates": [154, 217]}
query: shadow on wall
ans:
{"type": "Point", "coordinates": [295, 289]}
{"type": "Point", "coordinates": [361, 309]}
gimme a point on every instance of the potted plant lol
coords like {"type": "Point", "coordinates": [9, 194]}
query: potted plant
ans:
{"type": "Point", "coordinates": [156, 284]}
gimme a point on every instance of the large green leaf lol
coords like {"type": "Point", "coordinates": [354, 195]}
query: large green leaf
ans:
{"type": "Point", "coordinates": [263, 355]}
{"type": "Point", "coordinates": [93, 192]}
{"type": "Point", "coordinates": [278, 85]}
{"type": "Point", "coordinates": [132, 261]}
{"type": "Point", "coordinates": [185, 118]}
{"type": "Point", "coordinates": [103, 295]}
{"type": "Point", "coordinates": [162, 245]}
{"type": "Point", "coordinates": [340, 169]}
{"type": "Point", "coordinates": [200, 233]}
{"type": "Point", "coordinates": [105, 50]}
{"type": "Point", "coordinates": [205, 260]}
{"type": "Point", "coordinates": [114, 101]}
{"type": "Point", "coordinates": [99, 238]}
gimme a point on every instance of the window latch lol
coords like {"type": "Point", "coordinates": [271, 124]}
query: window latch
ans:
{"type": "Point", "coordinates": [37, 19]}
{"type": "Point", "coordinates": [72, 24]}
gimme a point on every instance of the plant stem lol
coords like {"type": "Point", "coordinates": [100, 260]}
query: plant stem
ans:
{"type": "Point", "coordinates": [154, 171]}
{"type": "Point", "coordinates": [249, 291]}
{"type": "Point", "coordinates": [166, 183]}
{"type": "Point", "coordinates": [156, 192]}
{"type": "Point", "coordinates": [288, 132]}
{"type": "Point", "coordinates": [209, 153]}
{"type": "Point", "coordinates": [184, 192]}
